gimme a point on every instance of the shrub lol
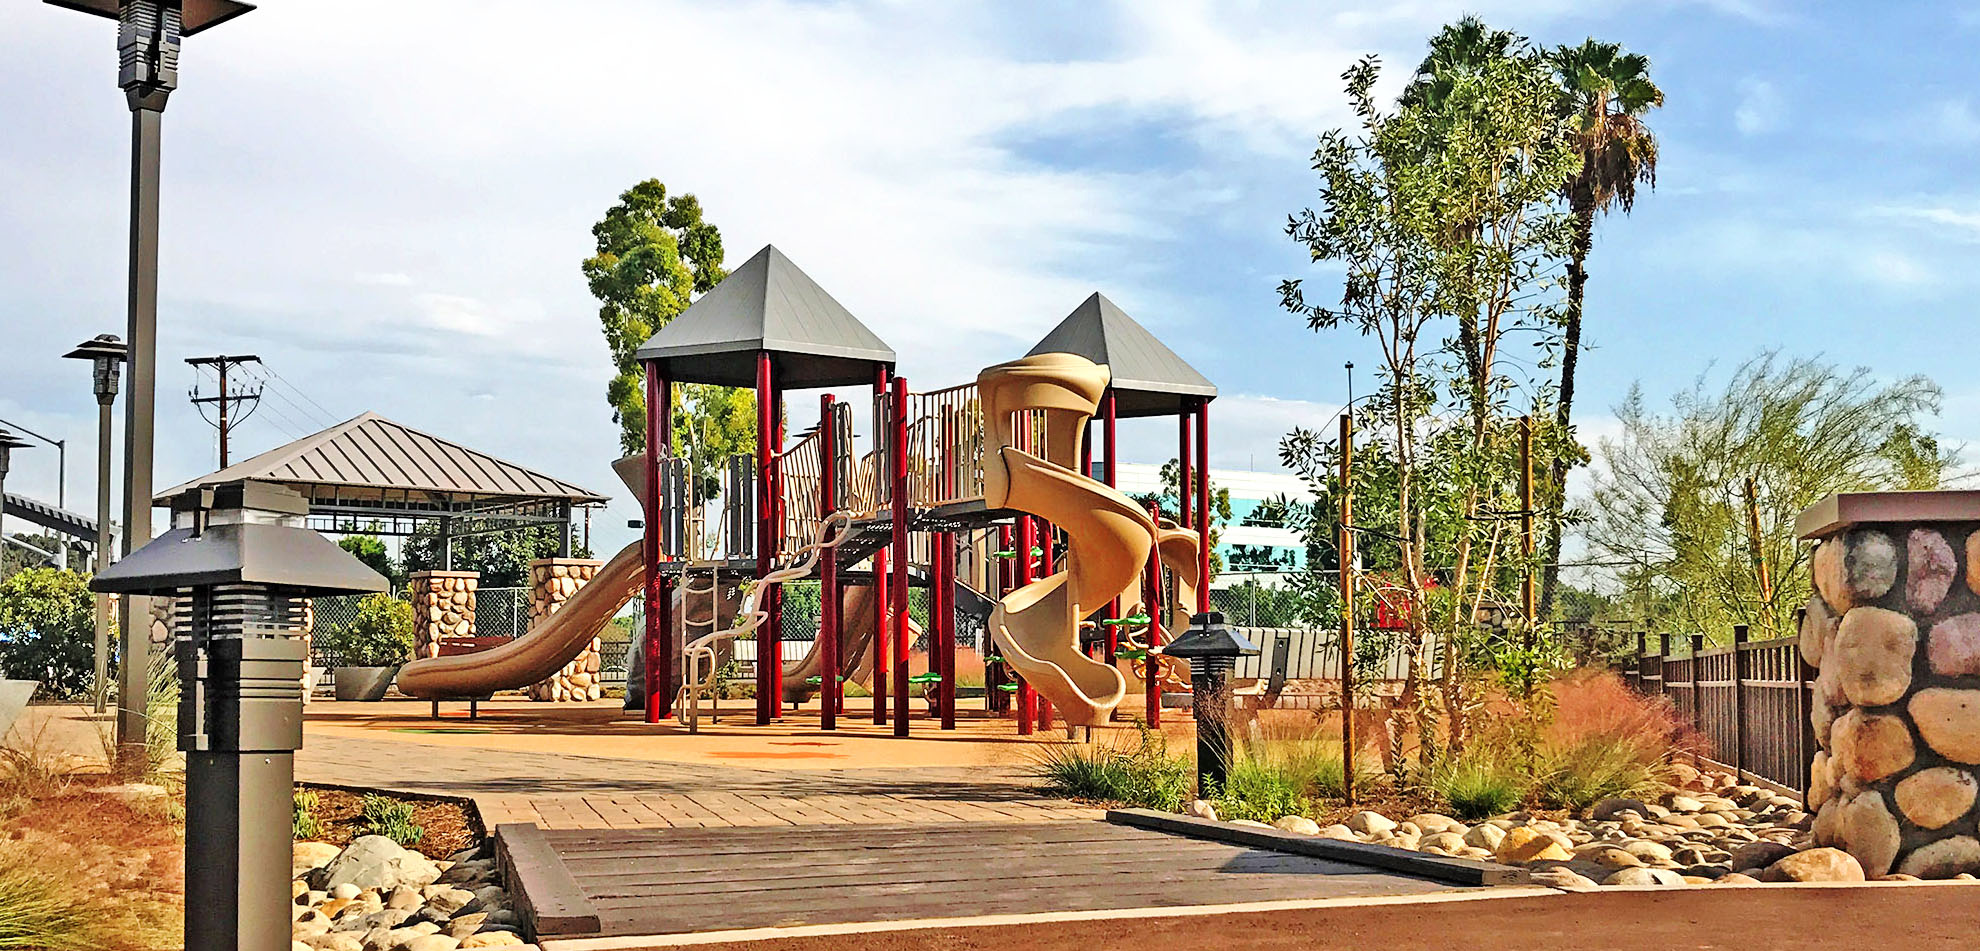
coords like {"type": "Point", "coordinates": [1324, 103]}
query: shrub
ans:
{"type": "Point", "coordinates": [303, 823]}
{"type": "Point", "coordinates": [1260, 790]}
{"type": "Point", "coordinates": [390, 818]}
{"type": "Point", "coordinates": [41, 911]}
{"type": "Point", "coordinates": [1479, 786]}
{"type": "Point", "coordinates": [1590, 771]}
{"type": "Point", "coordinates": [1146, 776]}
{"type": "Point", "coordinates": [380, 634]}
{"type": "Point", "coordinates": [48, 631]}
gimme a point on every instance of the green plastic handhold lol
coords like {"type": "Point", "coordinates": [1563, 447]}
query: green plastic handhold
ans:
{"type": "Point", "coordinates": [1008, 688]}
{"type": "Point", "coordinates": [814, 680]}
{"type": "Point", "coordinates": [1004, 553]}
{"type": "Point", "coordinates": [929, 678]}
{"type": "Point", "coordinates": [1130, 619]}
{"type": "Point", "coordinates": [1135, 654]}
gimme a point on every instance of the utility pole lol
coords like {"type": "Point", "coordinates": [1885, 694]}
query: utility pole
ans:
{"type": "Point", "coordinates": [1346, 557]}
{"type": "Point", "coordinates": [1760, 572]}
{"type": "Point", "coordinates": [221, 364]}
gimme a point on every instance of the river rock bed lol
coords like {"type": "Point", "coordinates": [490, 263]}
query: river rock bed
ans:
{"type": "Point", "coordinates": [373, 895]}
{"type": "Point", "coordinates": [1706, 829]}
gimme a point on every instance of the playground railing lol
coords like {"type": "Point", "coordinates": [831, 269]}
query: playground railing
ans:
{"type": "Point", "coordinates": [799, 470]}
{"type": "Point", "coordinates": [945, 446]}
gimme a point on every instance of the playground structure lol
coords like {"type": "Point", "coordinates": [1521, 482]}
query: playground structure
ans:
{"type": "Point", "coordinates": [989, 495]}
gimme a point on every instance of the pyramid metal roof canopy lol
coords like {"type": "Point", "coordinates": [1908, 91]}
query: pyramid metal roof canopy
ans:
{"type": "Point", "coordinates": [374, 457]}
{"type": "Point", "coordinates": [768, 304]}
{"type": "Point", "coordinates": [1148, 378]}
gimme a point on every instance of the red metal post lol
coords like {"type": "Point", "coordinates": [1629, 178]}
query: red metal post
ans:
{"type": "Point", "coordinates": [945, 624]}
{"type": "Point", "coordinates": [903, 510]}
{"type": "Point", "coordinates": [766, 535]}
{"type": "Point", "coordinates": [1027, 699]}
{"type": "Point", "coordinates": [1202, 505]}
{"type": "Point", "coordinates": [1184, 455]}
{"type": "Point", "coordinates": [829, 622]}
{"type": "Point", "coordinates": [1152, 604]}
{"type": "Point", "coordinates": [881, 603]}
{"type": "Point", "coordinates": [779, 524]}
{"type": "Point", "coordinates": [657, 644]}
{"type": "Point", "coordinates": [994, 674]}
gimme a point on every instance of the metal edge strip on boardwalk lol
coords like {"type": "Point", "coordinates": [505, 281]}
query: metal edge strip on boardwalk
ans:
{"type": "Point", "coordinates": [1456, 871]}
{"type": "Point", "coordinates": [547, 896]}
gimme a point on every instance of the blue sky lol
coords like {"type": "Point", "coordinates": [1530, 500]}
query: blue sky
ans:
{"type": "Point", "coordinates": [393, 218]}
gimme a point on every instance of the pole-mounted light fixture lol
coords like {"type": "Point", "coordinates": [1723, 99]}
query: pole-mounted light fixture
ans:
{"type": "Point", "coordinates": [107, 354]}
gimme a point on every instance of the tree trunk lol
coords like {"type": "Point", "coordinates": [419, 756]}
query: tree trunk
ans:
{"type": "Point", "coordinates": [1584, 240]}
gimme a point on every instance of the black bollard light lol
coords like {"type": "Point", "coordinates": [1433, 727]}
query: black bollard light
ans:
{"type": "Point", "coordinates": [241, 563]}
{"type": "Point", "coordinates": [1212, 649]}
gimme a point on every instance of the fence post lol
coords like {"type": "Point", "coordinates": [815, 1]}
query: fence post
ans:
{"type": "Point", "coordinates": [1663, 659]}
{"type": "Point", "coordinates": [1739, 672]}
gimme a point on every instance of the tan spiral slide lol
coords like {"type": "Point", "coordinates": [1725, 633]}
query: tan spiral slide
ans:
{"type": "Point", "coordinates": [1108, 536]}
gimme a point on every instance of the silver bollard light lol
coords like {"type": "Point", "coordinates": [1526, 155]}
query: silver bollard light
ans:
{"type": "Point", "coordinates": [240, 562]}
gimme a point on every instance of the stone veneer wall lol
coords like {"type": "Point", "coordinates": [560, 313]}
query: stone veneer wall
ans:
{"type": "Point", "coordinates": [443, 608]}
{"type": "Point", "coordinates": [551, 582]}
{"type": "Point", "coordinates": [1894, 629]}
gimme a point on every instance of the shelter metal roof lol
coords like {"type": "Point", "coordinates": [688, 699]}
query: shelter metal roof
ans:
{"type": "Point", "coordinates": [371, 456]}
{"type": "Point", "coordinates": [768, 304]}
{"type": "Point", "coordinates": [1148, 378]}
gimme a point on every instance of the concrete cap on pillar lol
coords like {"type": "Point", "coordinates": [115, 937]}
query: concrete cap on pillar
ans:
{"type": "Point", "coordinates": [1209, 637]}
{"type": "Point", "coordinates": [1844, 509]}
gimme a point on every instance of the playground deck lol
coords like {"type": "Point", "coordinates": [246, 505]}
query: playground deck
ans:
{"type": "Point", "coordinates": [676, 881]}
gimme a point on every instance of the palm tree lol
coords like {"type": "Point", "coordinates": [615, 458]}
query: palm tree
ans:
{"type": "Point", "coordinates": [1608, 92]}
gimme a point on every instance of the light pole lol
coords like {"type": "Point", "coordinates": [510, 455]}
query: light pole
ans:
{"type": "Point", "coordinates": [107, 353]}
{"type": "Point", "coordinates": [8, 443]}
{"type": "Point", "coordinates": [148, 35]}
{"type": "Point", "coordinates": [61, 553]}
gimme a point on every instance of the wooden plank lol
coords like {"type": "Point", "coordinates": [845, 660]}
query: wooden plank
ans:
{"type": "Point", "coordinates": [814, 862]}
{"type": "Point", "coordinates": [569, 838]}
{"type": "Point", "coordinates": [669, 842]}
{"type": "Point", "coordinates": [547, 897]}
{"type": "Point", "coordinates": [662, 850]}
{"type": "Point", "coordinates": [1441, 868]}
{"type": "Point", "coordinates": [925, 873]}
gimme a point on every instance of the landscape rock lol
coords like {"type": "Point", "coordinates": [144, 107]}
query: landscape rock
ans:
{"type": "Point", "coordinates": [1736, 878]}
{"type": "Point", "coordinates": [491, 939]}
{"type": "Point", "coordinates": [1484, 836]}
{"type": "Point", "coordinates": [454, 899]}
{"type": "Point", "coordinates": [1818, 628]}
{"type": "Point", "coordinates": [1644, 876]}
{"type": "Point", "coordinates": [1299, 824]}
{"type": "Point", "coordinates": [345, 890]}
{"type": "Point", "coordinates": [336, 941]}
{"type": "Point", "coordinates": [1869, 747]}
{"type": "Point", "coordinates": [308, 855]}
{"type": "Point", "coordinates": [376, 862]}
{"type": "Point", "coordinates": [1203, 809]}
{"type": "Point", "coordinates": [1338, 831]}
{"type": "Point", "coordinates": [1651, 853]}
{"type": "Point", "coordinates": [1562, 878]}
{"type": "Point", "coordinates": [1611, 857]}
{"type": "Point", "coordinates": [463, 925]}
{"type": "Point", "coordinates": [1945, 858]}
{"type": "Point", "coordinates": [1251, 823]}
{"type": "Point", "coordinates": [1929, 569]}
{"type": "Point", "coordinates": [1953, 646]}
{"type": "Point", "coordinates": [1932, 798]}
{"type": "Point", "coordinates": [1821, 784]}
{"type": "Point", "coordinates": [1371, 823]}
{"type": "Point", "coordinates": [1526, 844]}
{"type": "Point", "coordinates": [1449, 842]}
{"type": "Point", "coordinates": [1815, 865]}
{"type": "Point", "coordinates": [1431, 822]}
{"type": "Point", "coordinates": [1869, 832]}
{"type": "Point", "coordinates": [433, 942]}
{"type": "Point", "coordinates": [1874, 648]}
{"type": "Point", "coordinates": [1760, 854]}
{"type": "Point", "coordinates": [1949, 721]}
{"type": "Point", "coordinates": [1607, 809]}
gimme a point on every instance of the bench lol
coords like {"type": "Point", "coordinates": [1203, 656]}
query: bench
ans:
{"type": "Point", "coordinates": [458, 646]}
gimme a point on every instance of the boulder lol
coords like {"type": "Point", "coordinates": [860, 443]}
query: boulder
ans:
{"type": "Point", "coordinates": [1202, 809]}
{"type": "Point", "coordinates": [1949, 721]}
{"type": "Point", "coordinates": [1931, 798]}
{"type": "Point", "coordinates": [1607, 809]}
{"type": "Point", "coordinates": [1643, 876]}
{"type": "Point", "coordinates": [1874, 648]}
{"type": "Point", "coordinates": [1815, 865]}
{"type": "Point", "coordinates": [1484, 836]}
{"type": "Point", "coordinates": [1869, 832]}
{"type": "Point", "coordinates": [1338, 831]}
{"type": "Point", "coordinates": [1945, 858]}
{"type": "Point", "coordinates": [1929, 569]}
{"type": "Point", "coordinates": [1818, 628]}
{"type": "Point", "coordinates": [1448, 842]}
{"type": "Point", "coordinates": [1526, 844]}
{"type": "Point", "coordinates": [1736, 878]}
{"type": "Point", "coordinates": [1562, 878]}
{"type": "Point", "coordinates": [1611, 857]}
{"type": "Point", "coordinates": [304, 856]}
{"type": "Point", "coordinates": [1760, 854]}
{"type": "Point", "coordinates": [1869, 746]}
{"type": "Point", "coordinates": [1820, 784]}
{"type": "Point", "coordinates": [335, 941]}
{"type": "Point", "coordinates": [492, 939]}
{"type": "Point", "coordinates": [376, 862]}
{"type": "Point", "coordinates": [1432, 822]}
{"type": "Point", "coordinates": [1678, 802]}
{"type": "Point", "coordinates": [1371, 823]}
{"type": "Point", "coordinates": [1953, 646]}
{"type": "Point", "coordinates": [1299, 824]}
{"type": "Point", "coordinates": [432, 942]}
{"type": "Point", "coordinates": [1651, 853]}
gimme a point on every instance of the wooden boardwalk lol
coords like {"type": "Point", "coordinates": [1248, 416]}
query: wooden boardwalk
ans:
{"type": "Point", "coordinates": [674, 881]}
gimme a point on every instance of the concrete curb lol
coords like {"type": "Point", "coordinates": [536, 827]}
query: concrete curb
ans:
{"type": "Point", "coordinates": [1440, 868]}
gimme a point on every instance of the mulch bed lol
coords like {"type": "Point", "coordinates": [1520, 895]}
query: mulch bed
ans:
{"type": "Point", "coordinates": [448, 824]}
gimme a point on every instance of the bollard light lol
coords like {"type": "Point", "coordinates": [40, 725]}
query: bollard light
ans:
{"type": "Point", "coordinates": [1212, 649]}
{"type": "Point", "coordinates": [241, 563]}
{"type": "Point", "coordinates": [107, 355]}
{"type": "Point", "coordinates": [8, 443]}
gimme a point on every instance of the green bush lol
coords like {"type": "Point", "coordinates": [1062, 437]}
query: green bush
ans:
{"type": "Point", "coordinates": [390, 818]}
{"type": "Point", "coordinates": [1479, 786]}
{"type": "Point", "coordinates": [380, 634]}
{"type": "Point", "coordinates": [1260, 790]}
{"type": "Point", "coordinates": [48, 631]}
{"type": "Point", "coordinates": [1585, 773]}
{"type": "Point", "coordinates": [303, 824]}
{"type": "Point", "coordinates": [41, 911]}
{"type": "Point", "coordinates": [1146, 776]}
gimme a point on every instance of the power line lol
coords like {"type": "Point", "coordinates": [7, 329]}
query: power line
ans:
{"type": "Point", "coordinates": [226, 401]}
{"type": "Point", "coordinates": [329, 418]}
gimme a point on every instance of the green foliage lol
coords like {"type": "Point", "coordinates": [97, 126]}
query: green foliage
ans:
{"type": "Point", "coordinates": [48, 632]}
{"type": "Point", "coordinates": [43, 911]}
{"type": "Point", "coordinates": [1146, 776]}
{"type": "Point", "coordinates": [371, 550]}
{"type": "Point", "coordinates": [654, 254]}
{"type": "Point", "coordinates": [1260, 791]}
{"type": "Point", "coordinates": [502, 557]}
{"type": "Point", "coordinates": [303, 824]}
{"type": "Point", "coordinates": [1168, 500]}
{"type": "Point", "coordinates": [1479, 786]}
{"type": "Point", "coordinates": [14, 559]}
{"type": "Point", "coordinates": [391, 818]}
{"type": "Point", "coordinates": [380, 634]}
{"type": "Point", "coordinates": [1669, 504]}
{"type": "Point", "coordinates": [1582, 774]}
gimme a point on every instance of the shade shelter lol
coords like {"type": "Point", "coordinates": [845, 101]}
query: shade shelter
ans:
{"type": "Point", "coordinates": [767, 327]}
{"type": "Point", "coordinates": [1146, 378]}
{"type": "Point", "coordinates": [373, 475]}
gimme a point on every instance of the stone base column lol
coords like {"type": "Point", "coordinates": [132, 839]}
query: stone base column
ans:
{"type": "Point", "coordinates": [1894, 629]}
{"type": "Point", "coordinates": [443, 608]}
{"type": "Point", "coordinates": [551, 582]}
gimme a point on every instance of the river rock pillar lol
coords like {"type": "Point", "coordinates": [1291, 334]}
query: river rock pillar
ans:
{"type": "Point", "coordinates": [551, 582]}
{"type": "Point", "coordinates": [443, 608]}
{"type": "Point", "coordinates": [1894, 630]}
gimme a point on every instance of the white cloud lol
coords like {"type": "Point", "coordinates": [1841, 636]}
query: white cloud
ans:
{"type": "Point", "coordinates": [1760, 108]}
{"type": "Point", "coordinates": [383, 278]}
{"type": "Point", "coordinates": [1961, 223]}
